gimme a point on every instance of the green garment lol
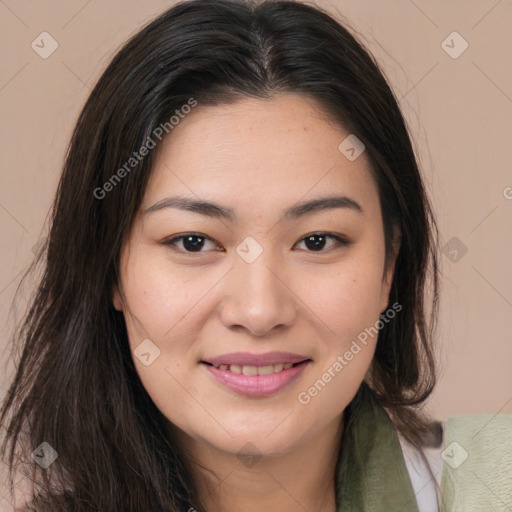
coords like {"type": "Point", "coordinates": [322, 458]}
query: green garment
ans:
{"type": "Point", "coordinates": [371, 475]}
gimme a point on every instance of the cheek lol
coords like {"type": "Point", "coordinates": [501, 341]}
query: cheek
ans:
{"type": "Point", "coordinates": [161, 309]}
{"type": "Point", "coordinates": [160, 299]}
{"type": "Point", "coordinates": [347, 299]}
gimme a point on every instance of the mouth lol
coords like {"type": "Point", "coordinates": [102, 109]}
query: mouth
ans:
{"type": "Point", "coordinates": [256, 381]}
{"type": "Point", "coordinates": [256, 370]}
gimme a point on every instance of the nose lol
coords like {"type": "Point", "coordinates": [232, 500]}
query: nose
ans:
{"type": "Point", "coordinates": [259, 296]}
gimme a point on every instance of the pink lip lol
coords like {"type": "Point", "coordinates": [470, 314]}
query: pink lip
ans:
{"type": "Point", "coordinates": [248, 359]}
{"type": "Point", "coordinates": [257, 385]}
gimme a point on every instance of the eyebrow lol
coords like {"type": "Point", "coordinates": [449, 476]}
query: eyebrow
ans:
{"type": "Point", "coordinates": [218, 211]}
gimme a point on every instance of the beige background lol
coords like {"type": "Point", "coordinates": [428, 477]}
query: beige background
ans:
{"type": "Point", "coordinates": [459, 111]}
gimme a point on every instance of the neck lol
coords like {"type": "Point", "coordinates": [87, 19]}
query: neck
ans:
{"type": "Point", "coordinates": [301, 479]}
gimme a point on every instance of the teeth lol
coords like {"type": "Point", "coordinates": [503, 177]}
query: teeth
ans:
{"type": "Point", "coordinates": [265, 370]}
{"type": "Point", "coordinates": [255, 370]}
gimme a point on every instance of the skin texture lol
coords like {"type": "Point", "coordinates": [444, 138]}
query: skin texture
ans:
{"type": "Point", "coordinates": [257, 157]}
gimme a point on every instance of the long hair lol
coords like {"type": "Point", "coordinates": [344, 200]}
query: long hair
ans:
{"type": "Point", "coordinates": [75, 386]}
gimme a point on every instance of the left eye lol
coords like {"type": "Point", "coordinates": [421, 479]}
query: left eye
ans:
{"type": "Point", "coordinates": [194, 242]}
{"type": "Point", "coordinates": [318, 240]}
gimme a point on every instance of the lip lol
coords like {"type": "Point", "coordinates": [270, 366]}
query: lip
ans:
{"type": "Point", "coordinates": [248, 359]}
{"type": "Point", "coordinates": [257, 385]}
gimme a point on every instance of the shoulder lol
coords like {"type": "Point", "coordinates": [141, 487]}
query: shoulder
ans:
{"type": "Point", "coordinates": [477, 471]}
{"type": "Point", "coordinates": [472, 445]}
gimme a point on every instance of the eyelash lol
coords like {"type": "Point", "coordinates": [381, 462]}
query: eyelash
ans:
{"type": "Point", "coordinates": [339, 242]}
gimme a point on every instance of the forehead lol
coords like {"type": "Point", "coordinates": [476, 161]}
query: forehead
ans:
{"type": "Point", "coordinates": [259, 152]}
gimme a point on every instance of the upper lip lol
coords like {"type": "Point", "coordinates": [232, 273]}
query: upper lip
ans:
{"type": "Point", "coordinates": [248, 359]}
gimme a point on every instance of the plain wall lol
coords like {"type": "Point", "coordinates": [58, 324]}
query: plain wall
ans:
{"type": "Point", "coordinates": [459, 112]}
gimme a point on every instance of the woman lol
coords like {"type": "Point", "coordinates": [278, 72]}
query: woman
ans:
{"type": "Point", "coordinates": [232, 310]}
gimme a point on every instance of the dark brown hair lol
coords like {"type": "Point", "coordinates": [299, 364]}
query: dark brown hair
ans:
{"type": "Point", "coordinates": [76, 386]}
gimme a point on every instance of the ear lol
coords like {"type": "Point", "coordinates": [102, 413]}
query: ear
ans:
{"type": "Point", "coordinates": [116, 299]}
{"type": "Point", "coordinates": [390, 271]}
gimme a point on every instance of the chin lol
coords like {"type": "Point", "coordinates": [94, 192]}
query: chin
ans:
{"type": "Point", "coordinates": [253, 443]}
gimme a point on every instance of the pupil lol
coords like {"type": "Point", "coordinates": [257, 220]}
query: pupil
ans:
{"type": "Point", "coordinates": [187, 243]}
{"type": "Point", "coordinates": [316, 245]}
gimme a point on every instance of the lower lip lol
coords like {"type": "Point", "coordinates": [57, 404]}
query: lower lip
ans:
{"type": "Point", "coordinates": [257, 385]}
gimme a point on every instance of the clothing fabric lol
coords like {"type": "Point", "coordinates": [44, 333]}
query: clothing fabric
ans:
{"type": "Point", "coordinates": [423, 485]}
{"type": "Point", "coordinates": [377, 471]}
{"type": "Point", "coordinates": [371, 474]}
{"type": "Point", "coordinates": [477, 473]}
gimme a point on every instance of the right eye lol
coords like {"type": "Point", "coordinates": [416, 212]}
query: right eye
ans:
{"type": "Point", "coordinates": [190, 243]}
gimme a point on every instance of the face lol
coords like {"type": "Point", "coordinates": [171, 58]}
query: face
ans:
{"type": "Point", "coordinates": [254, 275]}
